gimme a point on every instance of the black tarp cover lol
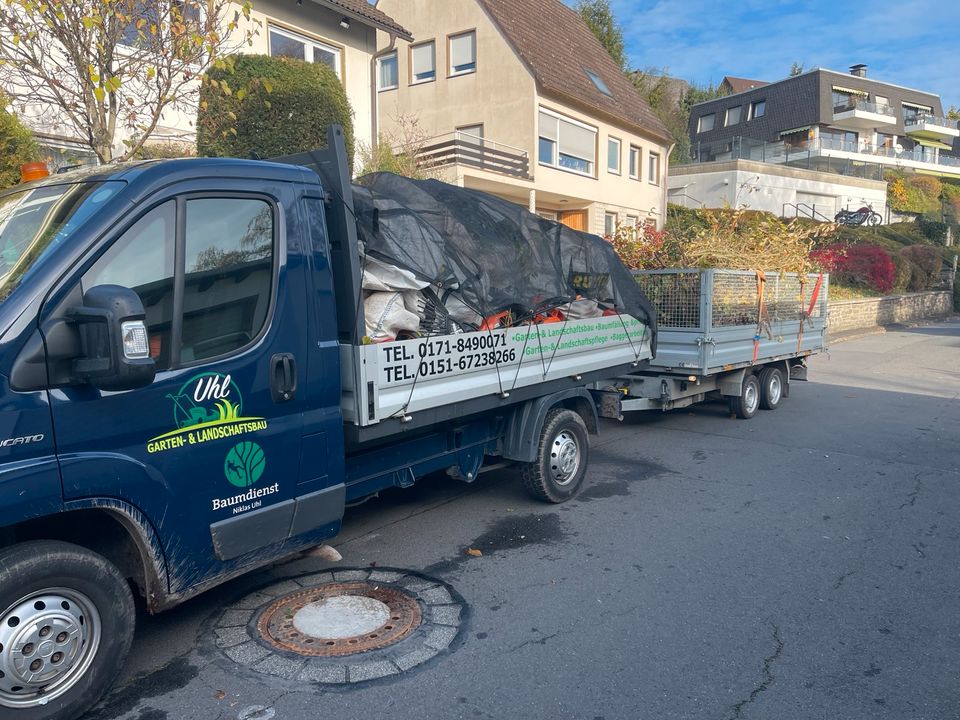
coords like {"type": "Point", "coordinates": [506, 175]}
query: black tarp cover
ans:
{"type": "Point", "coordinates": [495, 255]}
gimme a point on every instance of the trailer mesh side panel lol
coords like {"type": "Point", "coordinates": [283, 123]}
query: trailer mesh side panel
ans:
{"type": "Point", "coordinates": [734, 299]}
{"type": "Point", "coordinates": [676, 296]}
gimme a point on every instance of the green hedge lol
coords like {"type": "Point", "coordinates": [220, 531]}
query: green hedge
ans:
{"type": "Point", "coordinates": [17, 146]}
{"type": "Point", "coordinates": [261, 106]}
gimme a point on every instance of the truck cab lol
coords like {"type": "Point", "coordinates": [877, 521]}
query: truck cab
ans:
{"type": "Point", "coordinates": [169, 376]}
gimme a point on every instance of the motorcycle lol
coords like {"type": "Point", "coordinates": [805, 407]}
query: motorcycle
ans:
{"type": "Point", "coordinates": [864, 216]}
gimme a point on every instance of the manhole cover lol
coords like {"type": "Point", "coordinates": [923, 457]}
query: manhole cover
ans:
{"type": "Point", "coordinates": [341, 626]}
{"type": "Point", "coordinates": [339, 619]}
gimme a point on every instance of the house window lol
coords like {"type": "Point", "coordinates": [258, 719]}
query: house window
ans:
{"type": "Point", "coordinates": [881, 100]}
{"type": "Point", "coordinates": [632, 221]}
{"type": "Point", "coordinates": [609, 224]}
{"type": "Point", "coordinates": [758, 109]}
{"type": "Point", "coordinates": [706, 122]}
{"type": "Point", "coordinates": [598, 83]}
{"type": "Point", "coordinates": [423, 63]}
{"type": "Point", "coordinates": [885, 140]}
{"type": "Point", "coordinates": [733, 116]}
{"type": "Point", "coordinates": [613, 155]}
{"type": "Point", "coordinates": [470, 134]}
{"type": "Point", "coordinates": [388, 76]}
{"type": "Point", "coordinates": [284, 43]}
{"type": "Point", "coordinates": [842, 100]}
{"type": "Point", "coordinates": [845, 140]}
{"type": "Point", "coordinates": [912, 112]}
{"type": "Point", "coordinates": [634, 162]}
{"type": "Point", "coordinates": [653, 168]}
{"type": "Point", "coordinates": [567, 144]}
{"type": "Point", "coordinates": [462, 51]}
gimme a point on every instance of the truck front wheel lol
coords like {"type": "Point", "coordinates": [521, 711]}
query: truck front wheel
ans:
{"type": "Point", "coordinates": [66, 624]}
{"type": "Point", "coordinates": [562, 453]}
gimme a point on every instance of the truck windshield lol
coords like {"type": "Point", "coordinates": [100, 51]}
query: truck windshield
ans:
{"type": "Point", "coordinates": [34, 221]}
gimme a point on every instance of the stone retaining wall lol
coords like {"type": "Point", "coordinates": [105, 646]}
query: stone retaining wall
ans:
{"type": "Point", "coordinates": [873, 312]}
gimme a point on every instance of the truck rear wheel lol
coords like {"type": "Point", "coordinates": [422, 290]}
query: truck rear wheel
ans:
{"type": "Point", "coordinates": [746, 406]}
{"type": "Point", "coordinates": [66, 625]}
{"type": "Point", "coordinates": [562, 453]}
{"type": "Point", "coordinates": [771, 388]}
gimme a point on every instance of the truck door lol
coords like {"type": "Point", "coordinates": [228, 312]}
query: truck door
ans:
{"type": "Point", "coordinates": [210, 451]}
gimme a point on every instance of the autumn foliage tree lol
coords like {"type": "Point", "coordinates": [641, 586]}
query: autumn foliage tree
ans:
{"type": "Point", "coordinates": [108, 70]}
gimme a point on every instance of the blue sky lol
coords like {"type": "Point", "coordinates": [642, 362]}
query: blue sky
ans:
{"type": "Point", "coordinates": [915, 43]}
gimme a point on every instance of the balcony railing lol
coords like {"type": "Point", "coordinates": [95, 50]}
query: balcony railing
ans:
{"type": "Point", "coordinates": [864, 106]}
{"type": "Point", "coordinates": [458, 148]}
{"type": "Point", "coordinates": [932, 120]}
{"type": "Point", "coordinates": [806, 153]}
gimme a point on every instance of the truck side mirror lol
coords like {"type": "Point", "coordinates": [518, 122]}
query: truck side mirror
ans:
{"type": "Point", "coordinates": [115, 349]}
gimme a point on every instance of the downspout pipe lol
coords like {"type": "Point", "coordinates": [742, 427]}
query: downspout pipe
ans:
{"type": "Point", "coordinates": [374, 93]}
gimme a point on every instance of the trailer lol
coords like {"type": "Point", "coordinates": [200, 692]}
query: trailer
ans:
{"type": "Point", "coordinates": [736, 335]}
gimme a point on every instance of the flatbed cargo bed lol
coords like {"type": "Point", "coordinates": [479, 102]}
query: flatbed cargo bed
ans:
{"type": "Point", "coordinates": [396, 380]}
{"type": "Point", "coordinates": [710, 320]}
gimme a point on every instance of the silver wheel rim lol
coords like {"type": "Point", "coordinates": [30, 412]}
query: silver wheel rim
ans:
{"type": "Point", "coordinates": [48, 641]}
{"type": "Point", "coordinates": [751, 397]}
{"type": "Point", "coordinates": [774, 389]}
{"type": "Point", "coordinates": [564, 458]}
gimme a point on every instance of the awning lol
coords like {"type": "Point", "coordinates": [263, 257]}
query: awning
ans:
{"type": "Point", "coordinates": [933, 144]}
{"type": "Point", "coordinates": [915, 105]}
{"type": "Point", "coordinates": [852, 91]}
{"type": "Point", "coordinates": [794, 130]}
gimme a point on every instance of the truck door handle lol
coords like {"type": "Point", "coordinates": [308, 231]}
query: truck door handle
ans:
{"type": "Point", "coordinates": [283, 377]}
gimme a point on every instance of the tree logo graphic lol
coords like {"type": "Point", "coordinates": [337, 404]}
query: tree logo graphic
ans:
{"type": "Point", "coordinates": [244, 464]}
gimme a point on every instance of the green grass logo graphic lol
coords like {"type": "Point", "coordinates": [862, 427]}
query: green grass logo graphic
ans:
{"type": "Point", "coordinates": [244, 464]}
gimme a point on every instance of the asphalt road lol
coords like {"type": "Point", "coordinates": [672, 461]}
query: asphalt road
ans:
{"type": "Point", "coordinates": [805, 564]}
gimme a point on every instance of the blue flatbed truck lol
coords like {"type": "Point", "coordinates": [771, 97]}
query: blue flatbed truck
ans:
{"type": "Point", "coordinates": [187, 395]}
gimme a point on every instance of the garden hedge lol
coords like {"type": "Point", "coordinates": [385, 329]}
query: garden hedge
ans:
{"type": "Point", "coordinates": [260, 106]}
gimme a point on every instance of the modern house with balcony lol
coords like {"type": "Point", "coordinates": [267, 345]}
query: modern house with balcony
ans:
{"type": "Point", "coordinates": [827, 120]}
{"type": "Point", "coordinates": [519, 99]}
{"type": "Point", "coordinates": [813, 144]}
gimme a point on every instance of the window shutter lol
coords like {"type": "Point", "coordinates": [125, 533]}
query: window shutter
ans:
{"type": "Point", "coordinates": [423, 60]}
{"type": "Point", "coordinates": [463, 51]}
{"type": "Point", "coordinates": [548, 127]}
{"type": "Point", "coordinates": [577, 141]}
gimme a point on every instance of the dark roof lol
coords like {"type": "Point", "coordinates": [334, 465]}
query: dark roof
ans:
{"type": "Point", "coordinates": [558, 48]}
{"type": "Point", "coordinates": [365, 12]}
{"type": "Point", "coordinates": [737, 84]}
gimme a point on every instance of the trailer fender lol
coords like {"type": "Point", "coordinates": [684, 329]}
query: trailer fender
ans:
{"type": "Point", "coordinates": [523, 427]}
{"type": "Point", "coordinates": [731, 384]}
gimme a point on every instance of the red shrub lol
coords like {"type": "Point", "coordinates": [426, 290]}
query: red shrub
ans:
{"type": "Point", "coordinates": [858, 265]}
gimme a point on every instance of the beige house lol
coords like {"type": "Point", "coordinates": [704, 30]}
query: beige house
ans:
{"type": "Point", "coordinates": [519, 99]}
{"type": "Point", "coordinates": [340, 33]}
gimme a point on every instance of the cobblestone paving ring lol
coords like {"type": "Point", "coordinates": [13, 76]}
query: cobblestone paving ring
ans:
{"type": "Point", "coordinates": [340, 626]}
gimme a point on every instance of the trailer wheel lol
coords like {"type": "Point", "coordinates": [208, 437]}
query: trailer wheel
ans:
{"type": "Point", "coordinates": [562, 453]}
{"type": "Point", "coordinates": [66, 624]}
{"type": "Point", "coordinates": [746, 406]}
{"type": "Point", "coordinates": [771, 388]}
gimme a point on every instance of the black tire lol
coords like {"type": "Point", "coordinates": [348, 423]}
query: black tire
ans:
{"type": "Point", "coordinates": [746, 406]}
{"type": "Point", "coordinates": [92, 607]}
{"type": "Point", "coordinates": [771, 388]}
{"type": "Point", "coordinates": [562, 455]}
{"type": "Point", "coordinates": [874, 219]}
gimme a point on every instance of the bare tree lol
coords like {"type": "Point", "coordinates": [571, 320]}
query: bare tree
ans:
{"type": "Point", "coordinates": [111, 69]}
